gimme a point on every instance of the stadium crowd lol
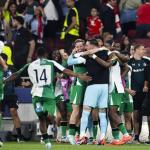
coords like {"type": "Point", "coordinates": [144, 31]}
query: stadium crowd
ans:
{"type": "Point", "coordinates": [84, 63]}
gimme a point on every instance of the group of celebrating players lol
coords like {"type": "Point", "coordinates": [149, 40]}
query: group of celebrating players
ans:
{"type": "Point", "coordinates": [100, 88]}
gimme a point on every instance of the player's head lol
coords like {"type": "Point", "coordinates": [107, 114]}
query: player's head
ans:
{"type": "Point", "coordinates": [56, 56]}
{"type": "Point", "coordinates": [139, 50]}
{"type": "Point", "coordinates": [91, 44]}
{"type": "Point", "coordinates": [79, 44]}
{"type": "Point", "coordinates": [41, 52]}
{"type": "Point", "coordinates": [100, 41]}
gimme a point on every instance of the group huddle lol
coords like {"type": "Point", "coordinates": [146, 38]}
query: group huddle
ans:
{"type": "Point", "coordinates": [103, 86]}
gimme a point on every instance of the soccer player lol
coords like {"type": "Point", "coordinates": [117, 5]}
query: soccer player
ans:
{"type": "Point", "coordinates": [41, 73]}
{"type": "Point", "coordinates": [4, 72]}
{"type": "Point", "coordinates": [115, 88]}
{"type": "Point", "coordinates": [77, 90]}
{"type": "Point", "coordinates": [60, 99]}
{"type": "Point", "coordinates": [96, 94]}
{"type": "Point", "coordinates": [10, 99]}
{"type": "Point", "coordinates": [126, 107]}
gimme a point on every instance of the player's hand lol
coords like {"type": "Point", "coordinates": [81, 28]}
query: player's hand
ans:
{"type": "Point", "coordinates": [29, 59]}
{"type": "Point", "coordinates": [75, 50]}
{"type": "Point", "coordinates": [85, 78]}
{"type": "Point", "coordinates": [131, 92]}
{"type": "Point", "coordinates": [145, 89]}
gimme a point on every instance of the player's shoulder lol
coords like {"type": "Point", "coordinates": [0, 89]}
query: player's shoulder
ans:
{"type": "Point", "coordinates": [34, 62]}
{"type": "Point", "coordinates": [146, 59]}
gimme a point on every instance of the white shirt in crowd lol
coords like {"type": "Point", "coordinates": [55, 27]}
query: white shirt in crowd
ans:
{"type": "Point", "coordinates": [50, 11]}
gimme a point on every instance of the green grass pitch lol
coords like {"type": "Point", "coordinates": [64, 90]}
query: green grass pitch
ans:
{"type": "Point", "coordinates": [55, 146]}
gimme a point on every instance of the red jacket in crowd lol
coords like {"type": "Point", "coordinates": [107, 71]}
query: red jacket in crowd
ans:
{"type": "Point", "coordinates": [94, 25]}
{"type": "Point", "coordinates": [143, 14]}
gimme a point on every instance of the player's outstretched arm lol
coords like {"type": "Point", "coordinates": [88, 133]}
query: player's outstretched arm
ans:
{"type": "Point", "coordinates": [81, 76]}
{"type": "Point", "coordinates": [100, 61]}
{"type": "Point", "coordinates": [122, 58]}
{"type": "Point", "coordinates": [15, 75]}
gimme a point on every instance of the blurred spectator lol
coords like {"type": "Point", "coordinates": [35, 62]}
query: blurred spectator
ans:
{"type": "Point", "coordinates": [94, 25]}
{"type": "Point", "coordinates": [23, 44]}
{"type": "Point", "coordinates": [3, 24]}
{"type": "Point", "coordinates": [37, 23]}
{"type": "Point", "coordinates": [70, 30]}
{"type": "Point", "coordinates": [10, 11]}
{"type": "Point", "coordinates": [128, 10]}
{"type": "Point", "coordinates": [125, 45]}
{"type": "Point", "coordinates": [143, 20]}
{"type": "Point", "coordinates": [84, 7]}
{"type": "Point", "coordinates": [64, 7]}
{"type": "Point", "coordinates": [20, 2]}
{"type": "Point", "coordinates": [107, 37]}
{"type": "Point", "coordinates": [111, 25]}
{"type": "Point", "coordinates": [54, 17]}
{"type": "Point", "coordinates": [31, 5]}
{"type": "Point", "coordinates": [53, 14]}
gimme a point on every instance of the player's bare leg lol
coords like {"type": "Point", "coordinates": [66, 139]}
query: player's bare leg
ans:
{"type": "Point", "coordinates": [117, 125]}
{"type": "Point", "coordinates": [75, 115]}
{"type": "Point", "coordinates": [128, 122]}
{"type": "Point", "coordinates": [17, 123]}
{"type": "Point", "coordinates": [43, 129]}
{"type": "Point", "coordinates": [63, 122]}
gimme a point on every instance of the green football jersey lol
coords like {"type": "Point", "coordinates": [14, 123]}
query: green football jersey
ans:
{"type": "Point", "coordinates": [42, 74]}
{"type": "Point", "coordinates": [79, 68]}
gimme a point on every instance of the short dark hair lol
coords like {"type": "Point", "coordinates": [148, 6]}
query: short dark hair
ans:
{"type": "Point", "coordinates": [93, 42]}
{"type": "Point", "coordinates": [41, 51]}
{"type": "Point", "coordinates": [20, 19]}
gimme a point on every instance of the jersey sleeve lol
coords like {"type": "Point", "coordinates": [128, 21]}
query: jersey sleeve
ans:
{"type": "Point", "coordinates": [58, 66]}
{"type": "Point", "coordinates": [73, 61]}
